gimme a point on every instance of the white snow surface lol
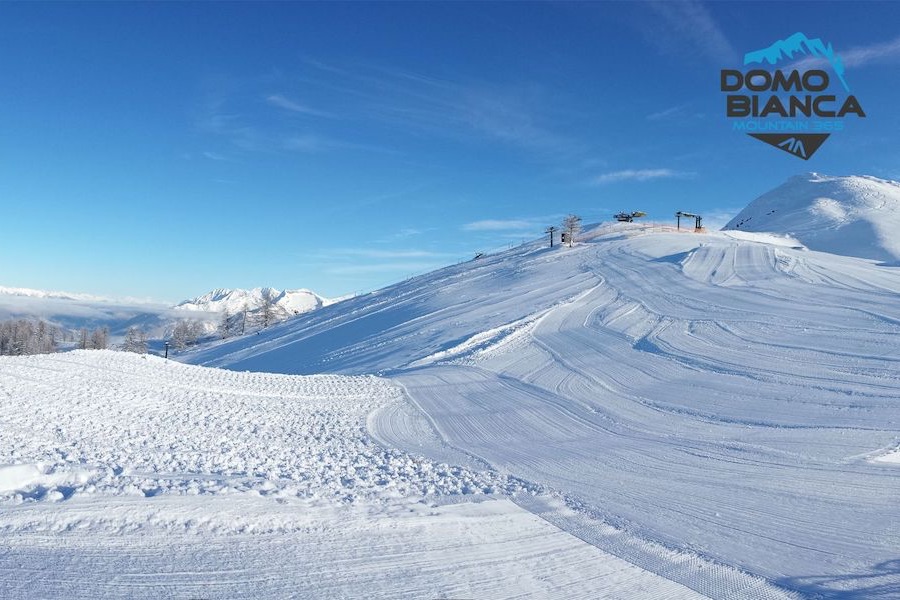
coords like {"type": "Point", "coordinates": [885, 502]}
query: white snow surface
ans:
{"type": "Point", "coordinates": [715, 394]}
{"type": "Point", "coordinates": [854, 216]}
{"type": "Point", "coordinates": [124, 476]}
{"type": "Point", "coordinates": [234, 300]}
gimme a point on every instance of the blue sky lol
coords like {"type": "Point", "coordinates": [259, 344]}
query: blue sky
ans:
{"type": "Point", "coordinates": [162, 150]}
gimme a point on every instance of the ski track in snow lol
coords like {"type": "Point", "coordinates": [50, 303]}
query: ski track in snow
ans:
{"type": "Point", "coordinates": [722, 395]}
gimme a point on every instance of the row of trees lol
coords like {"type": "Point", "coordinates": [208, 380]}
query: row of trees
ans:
{"type": "Point", "coordinates": [21, 336]}
{"type": "Point", "coordinates": [265, 313]}
{"type": "Point", "coordinates": [24, 336]}
{"type": "Point", "coordinates": [98, 339]}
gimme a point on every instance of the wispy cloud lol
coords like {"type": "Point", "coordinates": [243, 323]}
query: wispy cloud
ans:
{"type": "Point", "coordinates": [672, 111]}
{"type": "Point", "coordinates": [375, 253]}
{"type": "Point", "coordinates": [231, 111]}
{"type": "Point", "coordinates": [499, 225]}
{"type": "Point", "coordinates": [864, 55]}
{"type": "Point", "coordinates": [523, 115]}
{"type": "Point", "coordinates": [281, 102]}
{"type": "Point", "coordinates": [215, 156]}
{"type": "Point", "coordinates": [859, 56]}
{"type": "Point", "coordinates": [315, 144]}
{"type": "Point", "coordinates": [688, 26]}
{"type": "Point", "coordinates": [406, 267]}
{"type": "Point", "coordinates": [639, 175]}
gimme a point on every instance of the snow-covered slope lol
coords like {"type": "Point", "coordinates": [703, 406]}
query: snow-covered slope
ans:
{"type": "Point", "coordinates": [722, 393]}
{"type": "Point", "coordinates": [131, 477]}
{"type": "Point", "coordinates": [291, 302]}
{"type": "Point", "coordinates": [853, 216]}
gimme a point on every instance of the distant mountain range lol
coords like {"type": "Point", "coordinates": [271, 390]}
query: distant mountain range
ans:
{"type": "Point", "coordinates": [74, 311]}
{"type": "Point", "coordinates": [291, 302]}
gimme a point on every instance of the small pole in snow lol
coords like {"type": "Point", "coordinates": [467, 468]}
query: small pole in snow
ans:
{"type": "Point", "coordinates": [550, 230]}
{"type": "Point", "coordinates": [167, 351]}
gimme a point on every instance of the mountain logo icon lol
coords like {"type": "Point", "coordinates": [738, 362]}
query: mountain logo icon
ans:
{"type": "Point", "coordinates": [803, 145]}
{"type": "Point", "coordinates": [792, 95]}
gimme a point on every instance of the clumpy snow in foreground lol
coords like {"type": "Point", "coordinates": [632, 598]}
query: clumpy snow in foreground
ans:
{"type": "Point", "coordinates": [124, 476]}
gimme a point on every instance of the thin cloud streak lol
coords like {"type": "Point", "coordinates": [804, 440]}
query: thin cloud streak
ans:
{"type": "Point", "coordinates": [386, 267]}
{"type": "Point", "coordinates": [639, 175]}
{"type": "Point", "coordinates": [282, 102]}
{"type": "Point", "coordinates": [860, 56]}
{"type": "Point", "coordinates": [499, 225]}
{"type": "Point", "coordinates": [690, 24]}
{"type": "Point", "coordinates": [517, 115]}
{"type": "Point", "coordinates": [668, 112]}
{"type": "Point", "coordinates": [374, 253]}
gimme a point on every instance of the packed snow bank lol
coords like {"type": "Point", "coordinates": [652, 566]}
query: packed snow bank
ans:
{"type": "Point", "coordinates": [18, 477]}
{"type": "Point", "coordinates": [853, 216]}
{"type": "Point", "coordinates": [25, 478]}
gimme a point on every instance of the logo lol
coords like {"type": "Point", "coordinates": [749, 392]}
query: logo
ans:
{"type": "Point", "coordinates": [792, 110]}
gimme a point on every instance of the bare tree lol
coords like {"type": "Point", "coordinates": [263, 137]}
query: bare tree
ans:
{"type": "Point", "coordinates": [83, 340]}
{"type": "Point", "coordinates": [135, 341]}
{"type": "Point", "coordinates": [571, 226]}
{"type": "Point", "coordinates": [266, 308]}
{"type": "Point", "coordinates": [244, 310]}
{"type": "Point", "coordinates": [100, 338]}
{"type": "Point", "coordinates": [225, 324]}
{"type": "Point", "coordinates": [186, 333]}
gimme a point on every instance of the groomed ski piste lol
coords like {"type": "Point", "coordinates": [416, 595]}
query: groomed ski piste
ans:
{"type": "Point", "coordinates": [649, 414]}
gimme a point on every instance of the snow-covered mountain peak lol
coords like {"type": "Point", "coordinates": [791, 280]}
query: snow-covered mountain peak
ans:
{"type": "Point", "coordinates": [856, 215]}
{"type": "Point", "coordinates": [235, 300]}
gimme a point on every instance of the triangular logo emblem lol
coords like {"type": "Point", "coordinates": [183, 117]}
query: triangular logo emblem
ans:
{"type": "Point", "coordinates": [802, 145]}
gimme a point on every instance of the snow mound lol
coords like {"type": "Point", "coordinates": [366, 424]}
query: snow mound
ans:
{"type": "Point", "coordinates": [852, 216]}
{"type": "Point", "coordinates": [234, 300]}
{"type": "Point", "coordinates": [36, 478]}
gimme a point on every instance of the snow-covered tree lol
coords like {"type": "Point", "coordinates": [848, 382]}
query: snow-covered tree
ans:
{"type": "Point", "coordinates": [267, 310]}
{"type": "Point", "coordinates": [135, 341]}
{"type": "Point", "coordinates": [186, 333]}
{"type": "Point", "coordinates": [224, 328]}
{"type": "Point", "coordinates": [571, 226]}
{"type": "Point", "coordinates": [244, 310]}
{"type": "Point", "coordinates": [21, 336]}
{"type": "Point", "coordinates": [100, 338]}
